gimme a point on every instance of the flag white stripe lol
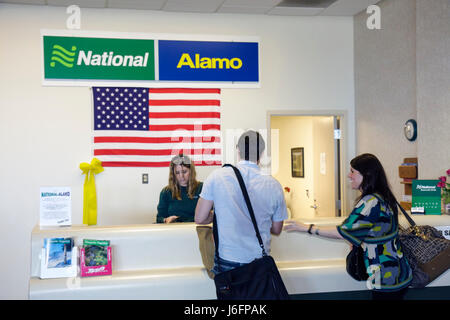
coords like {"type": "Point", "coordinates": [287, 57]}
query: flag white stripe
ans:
{"type": "Point", "coordinates": [184, 109]}
{"type": "Point", "coordinates": [125, 158]}
{"type": "Point", "coordinates": [158, 134]}
{"type": "Point", "coordinates": [193, 121]}
{"type": "Point", "coordinates": [184, 96]}
{"type": "Point", "coordinates": [157, 146]}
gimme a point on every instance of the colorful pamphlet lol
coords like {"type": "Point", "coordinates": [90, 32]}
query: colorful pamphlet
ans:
{"type": "Point", "coordinates": [95, 258]}
{"type": "Point", "coordinates": [58, 258]}
{"type": "Point", "coordinates": [59, 252]}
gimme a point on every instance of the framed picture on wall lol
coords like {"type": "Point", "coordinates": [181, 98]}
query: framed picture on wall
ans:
{"type": "Point", "coordinates": [297, 163]}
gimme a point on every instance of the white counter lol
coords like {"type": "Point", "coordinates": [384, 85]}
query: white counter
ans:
{"type": "Point", "coordinates": [160, 261]}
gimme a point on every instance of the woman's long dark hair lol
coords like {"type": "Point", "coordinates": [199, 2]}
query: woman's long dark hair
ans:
{"type": "Point", "coordinates": [374, 179]}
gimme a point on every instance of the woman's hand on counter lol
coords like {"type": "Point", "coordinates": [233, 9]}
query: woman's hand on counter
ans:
{"type": "Point", "coordinates": [291, 225]}
{"type": "Point", "coordinates": [171, 219]}
{"type": "Point", "coordinates": [323, 231]}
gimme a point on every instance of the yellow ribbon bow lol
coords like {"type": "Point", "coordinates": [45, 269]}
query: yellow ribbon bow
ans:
{"type": "Point", "coordinates": [90, 194]}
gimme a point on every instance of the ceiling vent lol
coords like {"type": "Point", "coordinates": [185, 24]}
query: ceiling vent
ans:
{"type": "Point", "coordinates": [306, 3]}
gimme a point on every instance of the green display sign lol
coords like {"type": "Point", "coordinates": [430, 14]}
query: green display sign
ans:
{"type": "Point", "coordinates": [426, 194]}
{"type": "Point", "coordinates": [98, 58]}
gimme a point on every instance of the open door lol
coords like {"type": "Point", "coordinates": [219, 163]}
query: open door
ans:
{"type": "Point", "coordinates": [326, 173]}
{"type": "Point", "coordinates": [317, 191]}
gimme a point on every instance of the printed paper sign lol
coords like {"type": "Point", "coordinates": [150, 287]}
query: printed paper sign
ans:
{"type": "Point", "coordinates": [55, 206]}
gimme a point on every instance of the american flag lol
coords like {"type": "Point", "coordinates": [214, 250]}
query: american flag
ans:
{"type": "Point", "coordinates": [147, 127]}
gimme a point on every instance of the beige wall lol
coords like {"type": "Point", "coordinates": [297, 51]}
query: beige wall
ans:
{"type": "Point", "coordinates": [294, 132]}
{"type": "Point", "coordinates": [433, 87]}
{"type": "Point", "coordinates": [403, 71]}
{"type": "Point", "coordinates": [385, 85]}
{"type": "Point", "coordinates": [324, 166]}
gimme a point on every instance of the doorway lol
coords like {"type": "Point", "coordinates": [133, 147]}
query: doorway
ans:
{"type": "Point", "coordinates": [314, 143]}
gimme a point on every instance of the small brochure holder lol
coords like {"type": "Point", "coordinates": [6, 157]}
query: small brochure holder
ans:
{"type": "Point", "coordinates": [64, 272]}
{"type": "Point", "coordinates": [102, 270]}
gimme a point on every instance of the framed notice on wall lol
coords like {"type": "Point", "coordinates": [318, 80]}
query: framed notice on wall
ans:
{"type": "Point", "coordinates": [297, 162]}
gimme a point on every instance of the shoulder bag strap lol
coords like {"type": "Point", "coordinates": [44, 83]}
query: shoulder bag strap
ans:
{"type": "Point", "coordinates": [216, 237]}
{"type": "Point", "coordinates": [410, 220]}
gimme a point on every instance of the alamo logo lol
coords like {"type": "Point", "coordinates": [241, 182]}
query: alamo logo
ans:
{"type": "Point", "coordinates": [208, 62]}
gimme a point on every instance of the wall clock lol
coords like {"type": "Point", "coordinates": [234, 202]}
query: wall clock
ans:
{"type": "Point", "coordinates": [410, 129]}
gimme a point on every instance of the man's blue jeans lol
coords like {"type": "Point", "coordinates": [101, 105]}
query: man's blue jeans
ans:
{"type": "Point", "coordinates": [225, 265]}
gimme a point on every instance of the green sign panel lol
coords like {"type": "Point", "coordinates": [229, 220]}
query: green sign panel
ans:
{"type": "Point", "coordinates": [426, 194]}
{"type": "Point", "coordinates": [98, 58]}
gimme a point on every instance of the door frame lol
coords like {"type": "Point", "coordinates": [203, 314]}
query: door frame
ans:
{"type": "Point", "coordinates": [343, 145]}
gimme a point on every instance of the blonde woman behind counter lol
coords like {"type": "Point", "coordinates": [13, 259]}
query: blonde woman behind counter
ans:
{"type": "Point", "coordinates": [177, 201]}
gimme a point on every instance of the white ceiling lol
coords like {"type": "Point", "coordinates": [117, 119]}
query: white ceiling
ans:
{"type": "Point", "coordinates": [263, 7]}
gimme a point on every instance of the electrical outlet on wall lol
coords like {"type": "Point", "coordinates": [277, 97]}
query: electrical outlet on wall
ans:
{"type": "Point", "coordinates": [145, 178]}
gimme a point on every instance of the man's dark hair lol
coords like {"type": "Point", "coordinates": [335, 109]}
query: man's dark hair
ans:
{"type": "Point", "coordinates": [251, 145]}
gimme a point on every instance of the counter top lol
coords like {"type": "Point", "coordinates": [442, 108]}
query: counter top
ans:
{"type": "Point", "coordinates": [419, 219]}
{"type": "Point", "coordinates": [432, 220]}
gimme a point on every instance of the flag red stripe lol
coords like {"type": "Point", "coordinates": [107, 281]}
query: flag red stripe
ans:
{"type": "Point", "coordinates": [189, 127]}
{"type": "Point", "coordinates": [184, 102]}
{"type": "Point", "coordinates": [161, 115]}
{"type": "Point", "coordinates": [155, 140]}
{"type": "Point", "coordinates": [163, 152]}
{"type": "Point", "coordinates": [183, 90]}
{"type": "Point", "coordinates": [153, 164]}
{"type": "Point", "coordinates": [134, 164]}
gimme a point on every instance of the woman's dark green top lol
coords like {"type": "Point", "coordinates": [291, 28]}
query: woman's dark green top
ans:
{"type": "Point", "coordinates": [184, 208]}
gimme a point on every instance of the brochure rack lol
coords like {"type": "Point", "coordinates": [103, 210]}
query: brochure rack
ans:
{"type": "Point", "coordinates": [59, 272]}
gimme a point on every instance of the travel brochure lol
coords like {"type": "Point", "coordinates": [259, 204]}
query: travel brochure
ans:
{"type": "Point", "coordinates": [59, 258]}
{"type": "Point", "coordinates": [95, 258]}
{"type": "Point", "coordinates": [59, 252]}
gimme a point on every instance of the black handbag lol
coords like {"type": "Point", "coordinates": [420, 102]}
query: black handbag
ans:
{"type": "Point", "coordinates": [257, 280]}
{"type": "Point", "coordinates": [427, 251]}
{"type": "Point", "coordinates": [355, 264]}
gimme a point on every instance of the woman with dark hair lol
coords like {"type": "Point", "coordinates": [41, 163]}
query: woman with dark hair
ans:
{"type": "Point", "coordinates": [177, 201]}
{"type": "Point", "coordinates": [372, 225]}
